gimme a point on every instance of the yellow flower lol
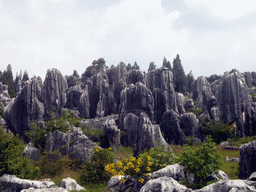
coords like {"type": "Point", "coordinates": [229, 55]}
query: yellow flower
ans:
{"type": "Point", "coordinates": [125, 168]}
{"type": "Point", "coordinates": [130, 165]}
{"type": "Point", "coordinates": [149, 158]}
{"type": "Point", "coordinates": [148, 175]}
{"type": "Point", "coordinates": [141, 180]}
{"type": "Point", "coordinates": [110, 148]}
{"type": "Point", "coordinates": [122, 180]}
{"type": "Point", "coordinates": [97, 150]}
{"type": "Point", "coordinates": [137, 169]}
{"type": "Point", "coordinates": [149, 163]}
{"type": "Point", "coordinates": [148, 169]}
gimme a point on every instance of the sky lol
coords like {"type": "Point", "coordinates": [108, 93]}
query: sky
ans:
{"type": "Point", "coordinates": [211, 37]}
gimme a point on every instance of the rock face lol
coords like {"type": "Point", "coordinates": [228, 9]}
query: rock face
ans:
{"type": "Point", "coordinates": [190, 125]}
{"type": "Point", "coordinates": [247, 159]}
{"type": "Point", "coordinates": [55, 87]}
{"type": "Point", "coordinates": [141, 133]}
{"type": "Point", "coordinates": [112, 134]}
{"type": "Point", "coordinates": [32, 152]}
{"type": "Point", "coordinates": [133, 76]}
{"type": "Point", "coordinates": [13, 183]}
{"type": "Point", "coordinates": [160, 83]}
{"type": "Point", "coordinates": [233, 101]}
{"type": "Point", "coordinates": [76, 144]}
{"type": "Point", "coordinates": [180, 103]}
{"type": "Point", "coordinates": [71, 184]}
{"type": "Point", "coordinates": [73, 96]}
{"type": "Point", "coordinates": [170, 126]}
{"type": "Point", "coordinates": [84, 103]}
{"type": "Point", "coordinates": [164, 184]}
{"type": "Point", "coordinates": [4, 95]}
{"type": "Point", "coordinates": [26, 107]}
{"type": "Point", "coordinates": [136, 99]}
{"type": "Point", "coordinates": [229, 186]}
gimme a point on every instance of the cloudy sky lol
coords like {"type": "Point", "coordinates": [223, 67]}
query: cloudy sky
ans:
{"type": "Point", "coordinates": [211, 37]}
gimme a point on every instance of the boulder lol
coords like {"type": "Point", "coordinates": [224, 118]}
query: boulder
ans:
{"type": "Point", "coordinates": [190, 125]}
{"type": "Point", "coordinates": [141, 133]}
{"type": "Point", "coordinates": [70, 185]}
{"type": "Point", "coordinates": [13, 183]}
{"type": "Point", "coordinates": [164, 184]}
{"type": "Point", "coordinates": [233, 159]}
{"type": "Point", "coordinates": [170, 126]}
{"type": "Point", "coordinates": [57, 189]}
{"type": "Point", "coordinates": [32, 152]}
{"type": "Point", "coordinates": [229, 186]}
{"type": "Point", "coordinates": [136, 99]}
{"type": "Point", "coordinates": [74, 144]}
{"type": "Point", "coordinates": [247, 159]}
{"type": "Point", "coordinates": [160, 83]}
{"type": "Point", "coordinates": [54, 93]}
{"type": "Point", "coordinates": [252, 177]}
{"type": "Point", "coordinates": [27, 106]}
{"type": "Point", "coordinates": [189, 103]}
{"type": "Point", "coordinates": [220, 175]}
{"type": "Point", "coordinates": [112, 134]}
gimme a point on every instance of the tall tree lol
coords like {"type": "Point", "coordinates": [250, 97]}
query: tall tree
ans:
{"type": "Point", "coordinates": [136, 66]}
{"type": "Point", "coordinates": [75, 73]}
{"type": "Point", "coordinates": [25, 76]}
{"type": "Point", "coordinates": [167, 64]}
{"type": "Point", "coordinates": [128, 67]}
{"type": "Point", "coordinates": [152, 66]}
{"type": "Point", "coordinates": [190, 80]}
{"type": "Point", "coordinates": [180, 79]}
{"type": "Point", "coordinates": [7, 79]}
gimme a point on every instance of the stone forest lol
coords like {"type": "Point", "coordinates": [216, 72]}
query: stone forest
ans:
{"type": "Point", "coordinates": [121, 129]}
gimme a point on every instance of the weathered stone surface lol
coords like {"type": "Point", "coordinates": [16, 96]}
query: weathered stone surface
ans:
{"type": "Point", "coordinates": [180, 103]}
{"type": "Point", "coordinates": [175, 171]}
{"type": "Point", "coordinates": [70, 185]}
{"type": "Point", "coordinates": [231, 148]}
{"type": "Point", "coordinates": [112, 134]}
{"type": "Point", "coordinates": [73, 96]}
{"type": "Point", "coordinates": [84, 103]}
{"type": "Point", "coordinates": [248, 78]}
{"type": "Point", "coordinates": [247, 159]}
{"type": "Point", "coordinates": [233, 159]}
{"type": "Point", "coordinates": [13, 183]}
{"type": "Point", "coordinates": [220, 175]}
{"type": "Point", "coordinates": [229, 186]}
{"type": "Point", "coordinates": [189, 103]}
{"type": "Point", "coordinates": [233, 101]}
{"type": "Point", "coordinates": [190, 125]}
{"type": "Point", "coordinates": [160, 83]}
{"type": "Point", "coordinates": [141, 133]}
{"type": "Point", "coordinates": [4, 95]}
{"type": "Point", "coordinates": [76, 144]}
{"type": "Point", "coordinates": [170, 126]}
{"type": "Point", "coordinates": [133, 76]}
{"type": "Point", "coordinates": [136, 99]}
{"type": "Point", "coordinates": [54, 89]}
{"type": "Point", "coordinates": [164, 184]}
{"type": "Point", "coordinates": [57, 189]}
{"type": "Point", "coordinates": [32, 152]}
{"type": "Point", "coordinates": [26, 107]}
{"type": "Point", "coordinates": [252, 177]}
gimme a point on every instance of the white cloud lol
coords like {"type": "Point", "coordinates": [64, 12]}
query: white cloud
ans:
{"type": "Point", "coordinates": [225, 9]}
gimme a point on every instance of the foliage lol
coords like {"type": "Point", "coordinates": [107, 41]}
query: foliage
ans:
{"type": "Point", "coordinates": [135, 66]}
{"type": "Point", "coordinates": [134, 167]}
{"type": "Point", "coordinates": [94, 170]}
{"type": "Point", "coordinates": [238, 141]}
{"type": "Point", "coordinates": [7, 78]}
{"type": "Point", "coordinates": [128, 67]}
{"type": "Point", "coordinates": [25, 76]}
{"type": "Point", "coordinates": [253, 96]}
{"type": "Point", "coordinates": [152, 66]}
{"type": "Point", "coordinates": [160, 157]}
{"type": "Point", "coordinates": [190, 79]}
{"type": "Point", "coordinates": [179, 77]}
{"type": "Point", "coordinates": [213, 78]}
{"type": "Point", "coordinates": [196, 111]}
{"type": "Point", "coordinates": [200, 161]}
{"type": "Point", "coordinates": [218, 130]}
{"type": "Point", "coordinates": [95, 135]}
{"type": "Point", "coordinates": [167, 64]}
{"type": "Point", "coordinates": [11, 160]}
{"type": "Point", "coordinates": [1, 109]}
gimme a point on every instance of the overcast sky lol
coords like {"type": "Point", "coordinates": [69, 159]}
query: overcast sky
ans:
{"type": "Point", "coordinates": [211, 37]}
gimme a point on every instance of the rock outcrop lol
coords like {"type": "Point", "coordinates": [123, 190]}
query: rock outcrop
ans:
{"type": "Point", "coordinates": [73, 96]}
{"type": "Point", "coordinates": [27, 106]}
{"type": "Point", "coordinates": [32, 152]}
{"type": "Point", "coordinates": [170, 126]}
{"type": "Point", "coordinates": [247, 159]}
{"type": "Point", "coordinates": [160, 83]}
{"type": "Point", "coordinates": [76, 144]}
{"type": "Point", "coordinates": [136, 99]}
{"type": "Point", "coordinates": [54, 92]}
{"type": "Point", "coordinates": [84, 103]}
{"type": "Point", "coordinates": [112, 134]}
{"type": "Point", "coordinates": [70, 185]}
{"type": "Point", "coordinates": [164, 184]}
{"type": "Point", "coordinates": [4, 95]}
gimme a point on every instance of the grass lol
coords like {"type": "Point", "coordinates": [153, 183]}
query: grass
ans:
{"type": "Point", "coordinates": [123, 153]}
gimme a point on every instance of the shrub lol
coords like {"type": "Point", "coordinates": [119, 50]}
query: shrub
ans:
{"type": "Point", "coordinates": [200, 161]}
{"type": "Point", "coordinates": [160, 157]}
{"type": "Point", "coordinates": [218, 131]}
{"type": "Point", "coordinates": [11, 160]}
{"type": "Point", "coordinates": [94, 170]}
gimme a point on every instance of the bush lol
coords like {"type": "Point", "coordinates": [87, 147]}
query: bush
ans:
{"type": "Point", "coordinates": [218, 131]}
{"type": "Point", "coordinates": [94, 170]}
{"type": "Point", "coordinates": [160, 157]}
{"type": "Point", "coordinates": [201, 161]}
{"type": "Point", "coordinates": [11, 160]}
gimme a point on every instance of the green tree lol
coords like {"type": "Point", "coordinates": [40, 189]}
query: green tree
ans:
{"type": "Point", "coordinates": [201, 161]}
{"type": "Point", "coordinates": [25, 76]}
{"type": "Point", "coordinates": [179, 77]}
{"type": "Point", "coordinates": [152, 66]}
{"type": "Point", "coordinates": [167, 64]}
{"type": "Point", "coordinates": [7, 79]}
{"type": "Point", "coordinates": [136, 66]}
{"type": "Point", "coordinates": [190, 80]}
{"type": "Point", "coordinates": [128, 67]}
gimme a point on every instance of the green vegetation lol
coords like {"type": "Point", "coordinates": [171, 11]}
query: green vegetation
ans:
{"type": "Point", "coordinates": [200, 161]}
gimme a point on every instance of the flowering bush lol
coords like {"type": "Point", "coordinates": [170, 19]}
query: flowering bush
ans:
{"type": "Point", "coordinates": [135, 167]}
{"type": "Point", "coordinates": [94, 170]}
